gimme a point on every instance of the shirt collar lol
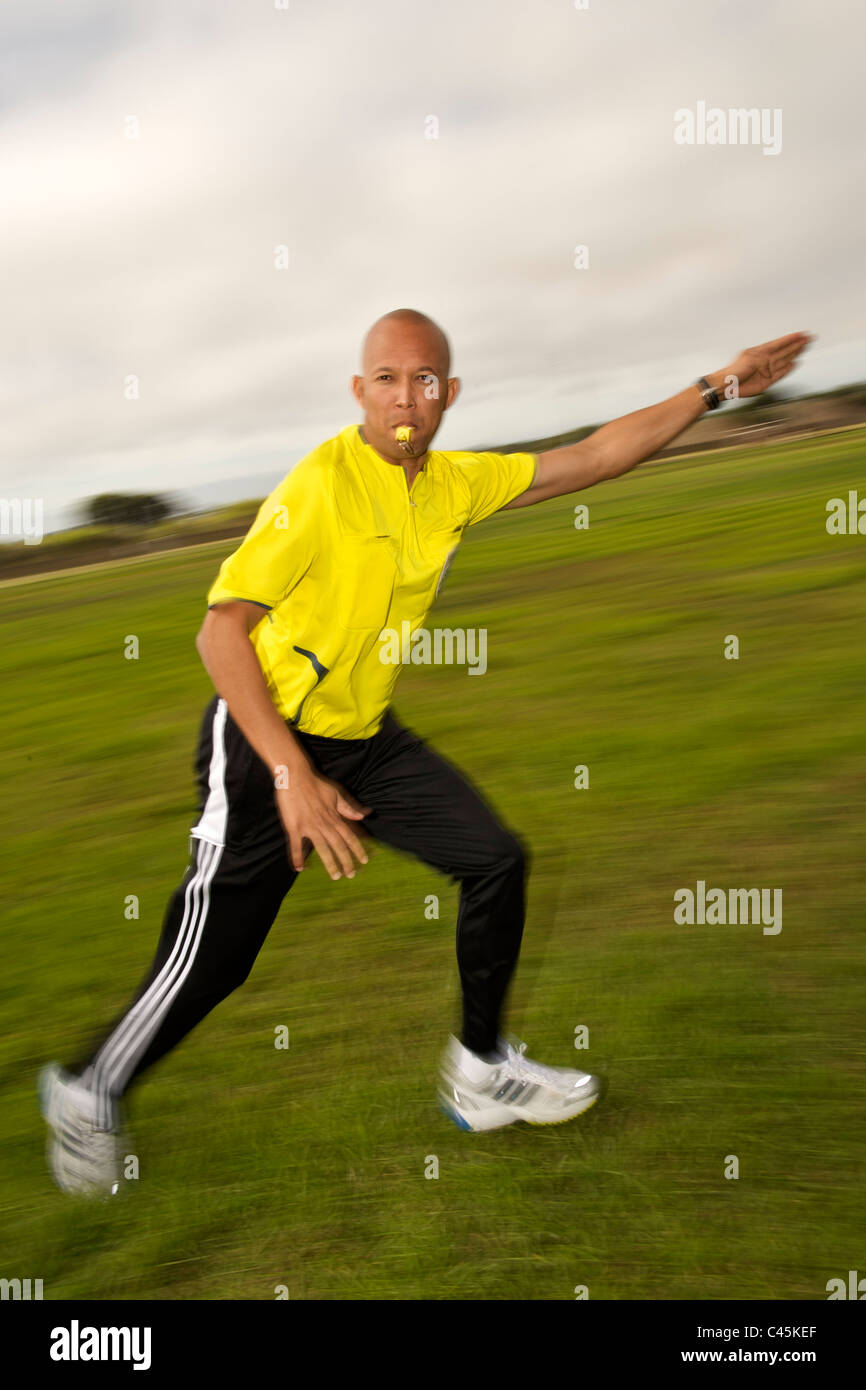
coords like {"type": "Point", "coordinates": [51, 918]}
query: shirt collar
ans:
{"type": "Point", "coordinates": [368, 451]}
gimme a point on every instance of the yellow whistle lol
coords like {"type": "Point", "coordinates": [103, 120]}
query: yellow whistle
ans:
{"type": "Point", "coordinates": [403, 437]}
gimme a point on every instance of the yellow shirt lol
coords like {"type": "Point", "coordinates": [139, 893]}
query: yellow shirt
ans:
{"type": "Point", "coordinates": [343, 548]}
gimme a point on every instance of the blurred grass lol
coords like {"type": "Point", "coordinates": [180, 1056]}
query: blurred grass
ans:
{"type": "Point", "coordinates": [306, 1167]}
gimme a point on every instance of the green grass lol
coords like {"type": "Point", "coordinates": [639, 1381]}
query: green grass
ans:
{"type": "Point", "coordinates": [306, 1167]}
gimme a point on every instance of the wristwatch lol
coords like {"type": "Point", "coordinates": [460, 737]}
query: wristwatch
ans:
{"type": "Point", "coordinates": [712, 399]}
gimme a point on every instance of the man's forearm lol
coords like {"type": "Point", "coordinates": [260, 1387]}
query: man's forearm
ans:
{"type": "Point", "coordinates": [626, 441]}
{"type": "Point", "coordinates": [231, 662]}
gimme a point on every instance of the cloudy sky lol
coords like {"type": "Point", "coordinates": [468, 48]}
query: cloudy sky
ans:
{"type": "Point", "coordinates": [154, 153]}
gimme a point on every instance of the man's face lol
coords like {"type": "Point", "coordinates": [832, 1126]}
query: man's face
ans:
{"type": "Point", "coordinates": [404, 383]}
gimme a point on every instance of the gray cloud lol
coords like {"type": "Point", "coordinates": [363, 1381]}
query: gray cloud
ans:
{"type": "Point", "coordinates": [306, 127]}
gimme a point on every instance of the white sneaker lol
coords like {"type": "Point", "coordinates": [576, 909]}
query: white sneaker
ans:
{"type": "Point", "coordinates": [479, 1095]}
{"type": "Point", "coordinates": [82, 1158]}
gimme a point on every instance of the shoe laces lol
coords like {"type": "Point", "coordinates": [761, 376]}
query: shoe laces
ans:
{"type": "Point", "coordinates": [526, 1069]}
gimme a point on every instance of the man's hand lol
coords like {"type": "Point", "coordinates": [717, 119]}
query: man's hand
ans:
{"type": "Point", "coordinates": [312, 808]}
{"type": "Point", "coordinates": [758, 368]}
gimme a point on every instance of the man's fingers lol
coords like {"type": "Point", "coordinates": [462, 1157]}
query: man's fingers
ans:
{"type": "Point", "coordinates": [786, 353]}
{"type": "Point", "coordinates": [296, 850]}
{"type": "Point", "coordinates": [323, 849]}
{"type": "Point", "coordinates": [791, 342]}
{"type": "Point", "coordinates": [354, 841]}
{"type": "Point", "coordinates": [349, 805]}
{"type": "Point", "coordinates": [771, 361]}
{"type": "Point", "coordinates": [783, 368]}
{"type": "Point", "coordinates": [320, 823]}
{"type": "Point", "coordinates": [335, 853]}
{"type": "Point", "coordinates": [780, 350]}
{"type": "Point", "coordinates": [349, 846]}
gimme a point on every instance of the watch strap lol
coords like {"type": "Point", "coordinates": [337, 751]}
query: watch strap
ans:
{"type": "Point", "coordinates": [710, 395]}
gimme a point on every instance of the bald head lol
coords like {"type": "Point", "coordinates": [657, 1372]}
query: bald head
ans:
{"type": "Point", "coordinates": [402, 325]}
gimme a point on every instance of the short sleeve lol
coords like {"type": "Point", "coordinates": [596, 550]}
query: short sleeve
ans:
{"type": "Point", "coordinates": [495, 480]}
{"type": "Point", "coordinates": [280, 545]}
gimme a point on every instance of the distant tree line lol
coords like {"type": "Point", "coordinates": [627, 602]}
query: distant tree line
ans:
{"type": "Point", "coordinates": [127, 509]}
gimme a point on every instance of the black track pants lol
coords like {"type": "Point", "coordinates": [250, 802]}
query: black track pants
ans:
{"type": "Point", "coordinates": [239, 873]}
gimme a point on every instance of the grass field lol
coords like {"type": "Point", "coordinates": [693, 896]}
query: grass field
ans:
{"type": "Point", "coordinates": [306, 1167]}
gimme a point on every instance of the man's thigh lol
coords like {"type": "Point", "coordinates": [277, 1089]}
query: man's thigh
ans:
{"type": "Point", "coordinates": [423, 804]}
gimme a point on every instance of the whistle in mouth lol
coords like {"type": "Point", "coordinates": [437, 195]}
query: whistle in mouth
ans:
{"type": "Point", "coordinates": [403, 436]}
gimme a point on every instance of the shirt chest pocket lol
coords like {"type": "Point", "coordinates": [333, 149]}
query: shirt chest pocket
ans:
{"type": "Point", "coordinates": [369, 573]}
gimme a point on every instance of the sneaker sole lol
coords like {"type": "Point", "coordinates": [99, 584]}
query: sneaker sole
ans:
{"type": "Point", "coordinates": [573, 1116]}
{"type": "Point", "coordinates": [510, 1119]}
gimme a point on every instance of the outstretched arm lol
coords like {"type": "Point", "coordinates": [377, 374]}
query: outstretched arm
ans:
{"type": "Point", "coordinates": [620, 445]}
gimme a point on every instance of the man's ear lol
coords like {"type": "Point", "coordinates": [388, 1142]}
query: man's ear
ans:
{"type": "Point", "coordinates": [357, 385]}
{"type": "Point", "coordinates": [453, 391]}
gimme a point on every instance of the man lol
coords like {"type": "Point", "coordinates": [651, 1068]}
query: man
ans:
{"type": "Point", "coordinates": [299, 746]}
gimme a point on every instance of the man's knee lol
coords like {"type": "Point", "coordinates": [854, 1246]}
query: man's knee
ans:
{"type": "Point", "coordinates": [512, 851]}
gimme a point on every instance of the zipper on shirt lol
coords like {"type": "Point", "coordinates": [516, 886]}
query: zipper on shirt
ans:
{"type": "Point", "coordinates": [408, 486]}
